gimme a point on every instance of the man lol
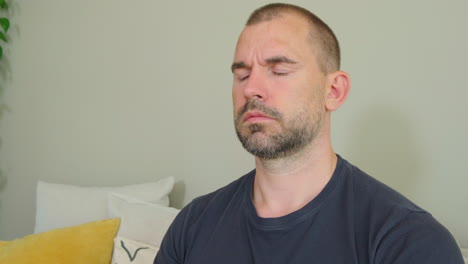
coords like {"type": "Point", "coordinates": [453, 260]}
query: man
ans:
{"type": "Point", "coordinates": [303, 203]}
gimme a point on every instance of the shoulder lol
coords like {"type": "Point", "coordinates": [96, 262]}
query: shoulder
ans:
{"type": "Point", "coordinates": [377, 207]}
{"type": "Point", "coordinates": [369, 193]}
{"type": "Point", "coordinates": [196, 219]}
{"type": "Point", "coordinates": [418, 238]}
{"type": "Point", "coordinates": [220, 198]}
{"type": "Point", "coordinates": [215, 202]}
{"type": "Point", "coordinates": [399, 230]}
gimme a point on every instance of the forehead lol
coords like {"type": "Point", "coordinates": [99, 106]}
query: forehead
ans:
{"type": "Point", "coordinates": [285, 35]}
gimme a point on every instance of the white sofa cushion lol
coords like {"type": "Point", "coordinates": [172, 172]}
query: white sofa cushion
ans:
{"type": "Point", "coordinates": [141, 221]}
{"type": "Point", "coordinates": [61, 205]}
{"type": "Point", "coordinates": [128, 251]}
{"type": "Point", "coordinates": [465, 254]}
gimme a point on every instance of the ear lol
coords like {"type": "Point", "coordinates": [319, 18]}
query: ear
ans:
{"type": "Point", "coordinates": [338, 86]}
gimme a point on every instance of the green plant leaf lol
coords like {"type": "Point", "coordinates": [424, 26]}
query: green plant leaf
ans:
{"type": "Point", "coordinates": [1, 52]}
{"type": "Point", "coordinates": [3, 4]}
{"type": "Point", "coordinates": [5, 23]}
{"type": "Point", "coordinates": [2, 37]}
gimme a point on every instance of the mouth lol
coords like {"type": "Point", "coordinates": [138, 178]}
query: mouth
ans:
{"type": "Point", "coordinates": [255, 116]}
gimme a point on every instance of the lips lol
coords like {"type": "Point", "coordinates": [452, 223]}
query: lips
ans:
{"type": "Point", "coordinates": [256, 117]}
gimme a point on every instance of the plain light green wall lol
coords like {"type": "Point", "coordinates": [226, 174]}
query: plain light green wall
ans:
{"type": "Point", "coordinates": [114, 92]}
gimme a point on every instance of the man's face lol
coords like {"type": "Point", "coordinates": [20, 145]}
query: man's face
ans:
{"type": "Point", "coordinates": [278, 88]}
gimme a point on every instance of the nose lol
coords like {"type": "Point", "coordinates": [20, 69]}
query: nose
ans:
{"type": "Point", "coordinates": [256, 86]}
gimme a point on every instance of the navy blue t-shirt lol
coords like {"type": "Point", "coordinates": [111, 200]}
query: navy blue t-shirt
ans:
{"type": "Point", "coordinates": [355, 219]}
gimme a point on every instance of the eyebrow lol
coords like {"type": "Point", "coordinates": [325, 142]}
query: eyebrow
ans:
{"type": "Point", "coordinates": [279, 59]}
{"type": "Point", "coordinates": [271, 60]}
{"type": "Point", "coordinates": [238, 65]}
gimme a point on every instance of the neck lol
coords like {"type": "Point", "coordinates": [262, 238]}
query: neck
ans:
{"type": "Point", "coordinates": [285, 185]}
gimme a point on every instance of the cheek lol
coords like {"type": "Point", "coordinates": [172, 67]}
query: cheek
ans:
{"type": "Point", "coordinates": [237, 99]}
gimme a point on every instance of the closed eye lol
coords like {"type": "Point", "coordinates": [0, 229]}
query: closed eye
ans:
{"type": "Point", "coordinates": [242, 78]}
{"type": "Point", "coordinates": [242, 75]}
{"type": "Point", "coordinates": [279, 69]}
{"type": "Point", "coordinates": [280, 73]}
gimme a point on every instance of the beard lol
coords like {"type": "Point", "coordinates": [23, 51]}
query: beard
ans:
{"type": "Point", "coordinates": [295, 133]}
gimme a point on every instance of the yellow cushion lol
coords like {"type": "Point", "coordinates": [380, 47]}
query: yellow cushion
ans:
{"type": "Point", "coordinates": [88, 243]}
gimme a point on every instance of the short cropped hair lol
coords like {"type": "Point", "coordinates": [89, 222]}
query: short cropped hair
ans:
{"type": "Point", "coordinates": [322, 37]}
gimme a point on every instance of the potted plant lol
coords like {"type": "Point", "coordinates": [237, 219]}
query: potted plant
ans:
{"type": "Point", "coordinates": [4, 26]}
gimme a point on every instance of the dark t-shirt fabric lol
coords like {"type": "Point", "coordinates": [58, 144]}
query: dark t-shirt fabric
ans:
{"type": "Point", "coordinates": [354, 219]}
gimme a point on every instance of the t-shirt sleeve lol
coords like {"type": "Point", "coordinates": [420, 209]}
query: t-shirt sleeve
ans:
{"type": "Point", "coordinates": [172, 249]}
{"type": "Point", "coordinates": [418, 238]}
